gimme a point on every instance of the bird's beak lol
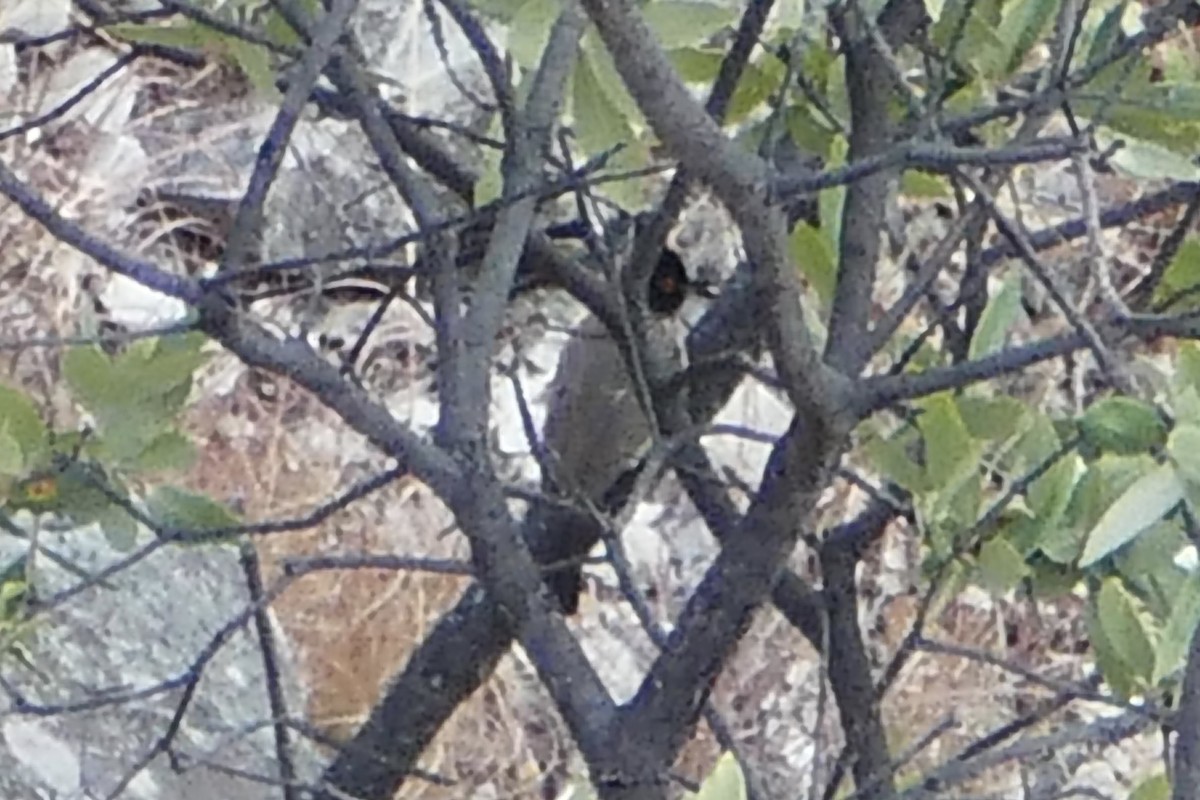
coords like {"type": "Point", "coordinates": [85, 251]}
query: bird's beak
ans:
{"type": "Point", "coordinates": [706, 289]}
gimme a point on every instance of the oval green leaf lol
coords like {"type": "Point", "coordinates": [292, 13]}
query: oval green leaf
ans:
{"type": "Point", "coordinates": [1142, 504]}
{"type": "Point", "coordinates": [999, 317]}
{"type": "Point", "coordinates": [1126, 627]}
{"type": "Point", "coordinates": [1000, 566]}
{"type": "Point", "coordinates": [678, 23]}
{"type": "Point", "coordinates": [1184, 449]}
{"type": "Point", "coordinates": [1178, 630]}
{"type": "Point", "coordinates": [23, 425]}
{"type": "Point", "coordinates": [187, 511]}
{"type": "Point", "coordinates": [1123, 425]}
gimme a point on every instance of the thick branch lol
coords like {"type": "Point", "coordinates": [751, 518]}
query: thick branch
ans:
{"type": "Point", "coordinates": [1187, 726]}
{"type": "Point", "coordinates": [869, 88]}
{"type": "Point", "coordinates": [243, 240]}
{"type": "Point", "coordinates": [468, 421]}
{"type": "Point", "coordinates": [658, 721]}
{"type": "Point", "coordinates": [850, 676]}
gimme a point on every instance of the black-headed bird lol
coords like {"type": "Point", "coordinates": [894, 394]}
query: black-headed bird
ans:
{"type": "Point", "coordinates": [596, 430]}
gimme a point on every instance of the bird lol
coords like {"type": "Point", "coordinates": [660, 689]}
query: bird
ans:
{"type": "Point", "coordinates": [596, 430]}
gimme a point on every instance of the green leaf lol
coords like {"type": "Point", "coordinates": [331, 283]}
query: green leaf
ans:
{"type": "Point", "coordinates": [136, 396]}
{"type": "Point", "coordinates": [696, 64]}
{"type": "Point", "coordinates": [120, 530]}
{"type": "Point", "coordinates": [959, 504]}
{"type": "Point", "coordinates": [1185, 405]}
{"type": "Point", "coordinates": [530, 30]}
{"type": "Point", "coordinates": [1003, 311]}
{"type": "Point", "coordinates": [1156, 787]}
{"type": "Point", "coordinates": [1024, 23]}
{"type": "Point", "coordinates": [125, 438]}
{"type": "Point", "coordinates": [1178, 629]}
{"type": "Point", "coordinates": [1050, 580]}
{"type": "Point", "coordinates": [1122, 425]}
{"type": "Point", "coordinates": [678, 23]}
{"type": "Point", "coordinates": [818, 67]}
{"type": "Point", "coordinates": [1143, 504]}
{"type": "Point", "coordinates": [992, 418]}
{"type": "Point", "coordinates": [604, 69]}
{"type": "Point", "coordinates": [185, 35]}
{"type": "Point", "coordinates": [949, 448]}
{"type": "Point", "coordinates": [1145, 159]}
{"type": "Point", "coordinates": [979, 45]}
{"type": "Point", "coordinates": [831, 201]}
{"type": "Point", "coordinates": [89, 373]}
{"type": "Point", "coordinates": [810, 252]}
{"type": "Point", "coordinates": [1181, 100]}
{"type": "Point", "coordinates": [12, 460]}
{"type": "Point", "coordinates": [279, 31]}
{"type": "Point", "coordinates": [924, 186]}
{"type": "Point", "coordinates": [1107, 33]}
{"type": "Point", "coordinates": [599, 123]}
{"type": "Point", "coordinates": [1038, 443]}
{"type": "Point", "coordinates": [254, 61]}
{"type": "Point", "coordinates": [1019, 527]}
{"type": "Point", "coordinates": [1061, 544]}
{"type": "Point", "coordinates": [14, 588]}
{"type": "Point", "coordinates": [757, 85]}
{"type": "Point", "coordinates": [725, 782]}
{"type": "Point", "coordinates": [1049, 498]}
{"type": "Point", "coordinates": [23, 425]}
{"type": "Point", "coordinates": [1141, 119]}
{"type": "Point", "coordinates": [80, 494]}
{"type": "Point", "coordinates": [1182, 273]}
{"type": "Point", "coordinates": [1103, 480]}
{"type": "Point", "coordinates": [160, 366]}
{"type": "Point", "coordinates": [1127, 628]}
{"type": "Point", "coordinates": [1184, 449]}
{"type": "Point", "coordinates": [1117, 673]}
{"type": "Point", "coordinates": [491, 181]}
{"type": "Point", "coordinates": [1050, 494]}
{"type": "Point", "coordinates": [1185, 384]}
{"type": "Point", "coordinates": [630, 193]}
{"type": "Point", "coordinates": [811, 134]}
{"type": "Point", "coordinates": [176, 509]}
{"type": "Point", "coordinates": [170, 450]}
{"type": "Point", "coordinates": [1152, 554]}
{"type": "Point", "coordinates": [890, 457]}
{"type": "Point", "coordinates": [76, 494]}
{"type": "Point", "coordinates": [1187, 365]}
{"type": "Point", "coordinates": [1001, 567]}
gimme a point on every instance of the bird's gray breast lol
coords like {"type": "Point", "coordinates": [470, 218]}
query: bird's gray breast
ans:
{"type": "Point", "coordinates": [595, 427]}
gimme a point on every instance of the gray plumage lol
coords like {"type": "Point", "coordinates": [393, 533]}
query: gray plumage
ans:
{"type": "Point", "coordinates": [596, 430]}
{"type": "Point", "coordinates": [595, 427]}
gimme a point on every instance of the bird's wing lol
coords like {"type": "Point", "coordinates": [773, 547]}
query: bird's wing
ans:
{"type": "Point", "coordinates": [594, 424]}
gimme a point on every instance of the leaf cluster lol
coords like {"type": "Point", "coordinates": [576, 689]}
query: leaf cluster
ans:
{"type": "Point", "coordinates": [135, 400]}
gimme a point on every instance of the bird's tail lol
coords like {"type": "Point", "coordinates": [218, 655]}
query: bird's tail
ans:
{"type": "Point", "coordinates": [559, 543]}
{"type": "Point", "coordinates": [560, 538]}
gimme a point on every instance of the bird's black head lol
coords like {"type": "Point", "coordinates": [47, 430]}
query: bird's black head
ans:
{"type": "Point", "coordinates": [670, 284]}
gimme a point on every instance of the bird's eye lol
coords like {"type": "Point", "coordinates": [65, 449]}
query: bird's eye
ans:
{"type": "Point", "coordinates": [668, 285]}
